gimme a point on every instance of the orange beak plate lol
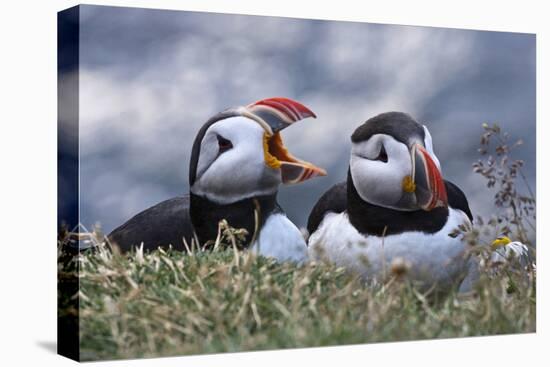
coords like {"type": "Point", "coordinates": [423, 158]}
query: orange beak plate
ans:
{"type": "Point", "coordinates": [430, 188]}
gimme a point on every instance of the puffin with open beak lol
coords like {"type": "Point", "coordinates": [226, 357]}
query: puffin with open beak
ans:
{"type": "Point", "coordinates": [238, 161]}
{"type": "Point", "coordinates": [395, 211]}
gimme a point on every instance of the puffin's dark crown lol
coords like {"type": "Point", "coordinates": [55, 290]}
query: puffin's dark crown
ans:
{"type": "Point", "coordinates": [399, 125]}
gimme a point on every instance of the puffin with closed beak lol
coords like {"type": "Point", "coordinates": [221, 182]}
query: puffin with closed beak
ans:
{"type": "Point", "coordinates": [238, 161]}
{"type": "Point", "coordinates": [395, 210]}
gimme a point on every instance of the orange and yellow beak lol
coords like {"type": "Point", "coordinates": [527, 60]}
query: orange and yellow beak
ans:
{"type": "Point", "coordinates": [427, 182]}
{"type": "Point", "coordinates": [293, 170]}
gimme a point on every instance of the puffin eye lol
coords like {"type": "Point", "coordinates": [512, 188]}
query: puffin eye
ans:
{"type": "Point", "coordinates": [382, 156]}
{"type": "Point", "coordinates": [224, 144]}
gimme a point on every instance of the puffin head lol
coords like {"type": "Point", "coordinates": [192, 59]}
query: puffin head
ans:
{"type": "Point", "coordinates": [239, 153]}
{"type": "Point", "coordinates": [393, 165]}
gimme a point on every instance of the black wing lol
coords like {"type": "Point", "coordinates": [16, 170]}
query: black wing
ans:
{"type": "Point", "coordinates": [166, 223]}
{"type": "Point", "coordinates": [457, 199]}
{"type": "Point", "coordinates": [334, 200]}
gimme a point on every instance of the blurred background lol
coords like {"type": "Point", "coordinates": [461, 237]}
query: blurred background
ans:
{"type": "Point", "coordinates": [149, 79]}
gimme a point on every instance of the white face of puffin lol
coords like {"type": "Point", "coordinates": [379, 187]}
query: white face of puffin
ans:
{"type": "Point", "coordinates": [378, 167]}
{"type": "Point", "coordinates": [231, 162]}
{"type": "Point", "coordinates": [390, 174]}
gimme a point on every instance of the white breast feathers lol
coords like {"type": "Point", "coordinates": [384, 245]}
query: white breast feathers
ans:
{"type": "Point", "coordinates": [429, 258]}
{"type": "Point", "coordinates": [280, 239]}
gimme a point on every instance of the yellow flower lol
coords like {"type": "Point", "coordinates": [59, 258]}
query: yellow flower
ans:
{"type": "Point", "coordinates": [500, 242]}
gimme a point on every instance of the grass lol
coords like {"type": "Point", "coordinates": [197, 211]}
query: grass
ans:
{"type": "Point", "coordinates": [225, 300]}
{"type": "Point", "coordinates": [171, 303]}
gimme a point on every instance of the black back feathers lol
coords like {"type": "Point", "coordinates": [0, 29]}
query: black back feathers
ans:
{"type": "Point", "coordinates": [457, 199]}
{"type": "Point", "coordinates": [333, 201]}
{"type": "Point", "coordinates": [166, 223]}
